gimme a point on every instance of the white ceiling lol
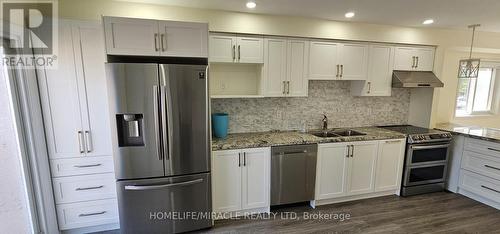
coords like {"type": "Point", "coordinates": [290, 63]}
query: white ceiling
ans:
{"type": "Point", "coordinates": [455, 14]}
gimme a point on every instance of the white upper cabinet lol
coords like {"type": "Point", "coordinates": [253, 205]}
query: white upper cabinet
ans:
{"type": "Point", "coordinates": [126, 36]}
{"type": "Point", "coordinates": [142, 37]}
{"type": "Point", "coordinates": [353, 62]}
{"type": "Point", "coordinates": [379, 78]}
{"type": "Point", "coordinates": [414, 58]}
{"type": "Point", "coordinates": [285, 67]}
{"type": "Point", "coordinates": [338, 61]}
{"type": "Point", "coordinates": [323, 60]}
{"type": "Point", "coordinates": [389, 164]}
{"type": "Point", "coordinates": [275, 67]}
{"type": "Point", "coordinates": [222, 48]}
{"type": "Point", "coordinates": [298, 62]}
{"type": "Point", "coordinates": [230, 48]}
{"type": "Point", "coordinates": [183, 39]}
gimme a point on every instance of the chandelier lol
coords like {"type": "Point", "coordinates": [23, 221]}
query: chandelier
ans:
{"type": "Point", "coordinates": [469, 68]}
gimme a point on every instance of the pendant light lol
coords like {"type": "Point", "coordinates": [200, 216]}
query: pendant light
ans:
{"type": "Point", "coordinates": [469, 68]}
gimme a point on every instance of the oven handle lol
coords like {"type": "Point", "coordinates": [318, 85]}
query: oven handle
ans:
{"type": "Point", "coordinates": [420, 147]}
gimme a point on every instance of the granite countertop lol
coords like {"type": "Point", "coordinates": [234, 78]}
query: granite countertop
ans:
{"type": "Point", "coordinates": [489, 134]}
{"type": "Point", "coordinates": [266, 139]}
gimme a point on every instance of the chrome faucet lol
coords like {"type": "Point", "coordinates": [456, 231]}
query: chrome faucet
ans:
{"type": "Point", "coordinates": [325, 122]}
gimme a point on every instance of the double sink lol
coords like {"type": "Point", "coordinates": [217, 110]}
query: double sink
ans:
{"type": "Point", "coordinates": [337, 133]}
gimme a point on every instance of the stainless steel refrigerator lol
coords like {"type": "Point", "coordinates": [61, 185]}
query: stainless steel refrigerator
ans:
{"type": "Point", "coordinates": [162, 146]}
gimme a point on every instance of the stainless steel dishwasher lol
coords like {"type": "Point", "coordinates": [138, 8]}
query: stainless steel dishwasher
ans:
{"type": "Point", "coordinates": [293, 173]}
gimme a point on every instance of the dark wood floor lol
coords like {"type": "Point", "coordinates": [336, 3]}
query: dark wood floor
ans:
{"type": "Point", "coordinates": [430, 213]}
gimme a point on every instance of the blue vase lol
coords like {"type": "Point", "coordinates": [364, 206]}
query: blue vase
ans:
{"type": "Point", "coordinates": [220, 124]}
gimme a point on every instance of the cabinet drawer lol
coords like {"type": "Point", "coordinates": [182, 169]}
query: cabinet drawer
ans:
{"type": "Point", "coordinates": [84, 214]}
{"type": "Point", "coordinates": [81, 166]}
{"type": "Point", "coordinates": [480, 185]}
{"type": "Point", "coordinates": [483, 147]}
{"type": "Point", "coordinates": [84, 188]}
{"type": "Point", "coordinates": [481, 164]}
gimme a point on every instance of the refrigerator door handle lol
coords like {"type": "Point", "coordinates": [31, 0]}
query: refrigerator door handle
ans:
{"type": "Point", "coordinates": [166, 112]}
{"type": "Point", "coordinates": [162, 186]}
{"type": "Point", "coordinates": [157, 122]}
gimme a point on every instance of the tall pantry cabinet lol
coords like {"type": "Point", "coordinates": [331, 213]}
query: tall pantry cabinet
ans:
{"type": "Point", "coordinates": [76, 119]}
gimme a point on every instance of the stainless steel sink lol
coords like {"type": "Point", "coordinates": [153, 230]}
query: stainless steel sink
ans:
{"type": "Point", "coordinates": [347, 132]}
{"type": "Point", "coordinates": [337, 133]}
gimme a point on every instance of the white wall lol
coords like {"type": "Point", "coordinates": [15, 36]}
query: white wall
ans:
{"type": "Point", "coordinates": [14, 211]}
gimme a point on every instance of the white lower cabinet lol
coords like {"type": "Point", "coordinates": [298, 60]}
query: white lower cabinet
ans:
{"type": "Point", "coordinates": [84, 214]}
{"type": "Point", "coordinates": [352, 169]}
{"type": "Point", "coordinates": [241, 179]}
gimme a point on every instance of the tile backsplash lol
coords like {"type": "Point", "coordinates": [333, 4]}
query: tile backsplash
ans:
{"type": "Point", "coordinates": [332, 98]}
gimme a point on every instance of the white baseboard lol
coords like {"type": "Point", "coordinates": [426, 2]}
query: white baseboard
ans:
{"type": "Point", "coordinates": [355, 197]}
{"type": "Point", "coordinates": [479, 198]}
{"type": "Point", "coordinates": [99, 228]}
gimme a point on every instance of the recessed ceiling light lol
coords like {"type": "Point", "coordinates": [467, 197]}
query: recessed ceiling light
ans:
{"type": "Point", "coordinates": [251, 4]}
{"type": "Point", "coordinates": [428, 21]}
{"type": "Point", "coordinates": [349, 14]}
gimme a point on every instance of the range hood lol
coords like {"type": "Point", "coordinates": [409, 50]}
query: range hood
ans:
{"type": "Point", "coordinates": [415, 79]}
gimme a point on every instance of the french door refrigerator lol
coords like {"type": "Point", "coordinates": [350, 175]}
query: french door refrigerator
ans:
{"type": "Point", "coordinates": [162, 146]}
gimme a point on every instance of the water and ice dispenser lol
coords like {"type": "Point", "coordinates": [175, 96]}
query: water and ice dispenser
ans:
{"type": "Point", "coordinates": [130, 130]}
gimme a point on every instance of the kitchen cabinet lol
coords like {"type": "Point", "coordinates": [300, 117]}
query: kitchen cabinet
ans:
{"type": "Point", "coordinates": [142, 37]}
{"type": "Point", "coordinates": [379, 78]}
{"type": "Point", "coordinates": [390, 162]}
{"type": "Point", "coordinates": [351, 170]}
{"type": "Point", "coordinates": [230, 48]}
{"type": "Point", "coordinates": [338, 61]}
{"type": "Point", "coordinates": [240, 179]}
{"type": "Point", "coordinates": [77, 128]}
{"type": "Point", "coordinates": [414, 58]}
{"type": "Point", "coordinates": [285, 67]}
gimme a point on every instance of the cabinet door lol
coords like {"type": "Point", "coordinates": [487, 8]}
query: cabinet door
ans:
{"type": "Point", "coordinates": [222, 48]}
{"type": "Point", "coordinates": [127, 36]}
{"type": "Point", "coordinates": [404, 59]}
{"type": "Point", "coordinates": [425, 59]}
{"type": "Point", "coordinates": [226, 182]}
{"type": "Point", "coordinates": [389, 165]}
{"type": "Point", "coordinates": [362, 168]}
{"type": "Point", "coordinates": [256, 178]}
{"type": "Point", "coordinates": [183, 39]}
{"type": "Point", "coordinates": [380, 71]}
{"type": "Point", "coordinates": [89, 47]}
{"type": "Point", "coordinates": [354, 62]}
{"type": "Point", "coordinates": [250, 50]}
{"type": "Point", "coordinates": [298, 61]}
{"type": "Point", "coordinates": [59, 98]}
{"type": "Point", "coordinates": [323, 60]}
{"type": "Point", "coordinates": [331, 171]}
{"type": "Point", "coordinates": [275, 67]}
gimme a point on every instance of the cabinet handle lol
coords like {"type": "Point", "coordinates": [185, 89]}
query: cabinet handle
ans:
{"type": "Point", "coordinates": [284, 87]}
{"type": "Point", "coordinates": [234, 52]}
{"type": "Point", "coordinates": [288, 87]}
{"type": "Point", "coordinates": [492, 167]}
{"type": "Point", "coordinates": [416, 65]}
{"type": "Point", "coordinates": [497, 150]}
{"type": "Point", "coordinates": [91, 214]}
{"type": "Point", "coordinates": [89, 188]}
{"type": "Point", "coordinates": [80, 142]}
{"type": "Point", "coordinates": [369, 87]}
{"type": "Point", "coordinates": [88, 142]}
{"type": "Point", "coordinates": [352, 151]}
{"type": "Point", "coordinates": [394, 141]}
{"type": "Point", "coordinates": [163, 38]}
{"type": "Point", "coordinates": [348, 151]}
{"type": "Point", "coordinates": [239, 52]}
{"type": "Point", "coordinates": [239, 159]}
{"type": "Point", "coordinates": [244, 159]}
{"type": "Point", "coordinates": [413, 62]}
{"type": "Point", "coordinates": [491, 189]}
{"type": "Point", "coordinates": [90, 165]}
{"type": "Point", "coordinates": [341, 70]}
{"type": "Point", "coordinates": [156, 41]}
{"type": "Point", "coordinates": [338, 70]}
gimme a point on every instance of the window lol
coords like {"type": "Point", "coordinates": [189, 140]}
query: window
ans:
{"type": "Point", "coordinates": [475, 95]}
